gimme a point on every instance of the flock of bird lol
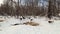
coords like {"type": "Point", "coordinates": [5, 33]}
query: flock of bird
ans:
{"type": "Point", "coordinates": [31, 19]}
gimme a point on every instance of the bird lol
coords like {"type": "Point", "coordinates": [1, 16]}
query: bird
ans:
{"type": "Point", "coordinates": [50, 21]}
{"type": "Point", "coordinates": [20, 18]}
{"type": "Point", "coordinates": [31, 19]}
{"type": "Point", "coordinates": [15, 24]}
{"type": "Point", "coordinates": [23, 17]}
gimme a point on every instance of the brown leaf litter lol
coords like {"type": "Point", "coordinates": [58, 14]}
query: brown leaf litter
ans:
{"type": "Point", "coordinates": [31, 23]}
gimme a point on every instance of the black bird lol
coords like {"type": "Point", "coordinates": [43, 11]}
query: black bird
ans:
{"type": "Point", "coordinates": [16, 24]}
{"type": "Point", "coordinates": [20, 18]}
{"type": "Point", "coordinates": [50, 21]}
{"type": "Point", "coordinates": [23, 17]}
{"type": "Point", "coordinates": [31, 19]}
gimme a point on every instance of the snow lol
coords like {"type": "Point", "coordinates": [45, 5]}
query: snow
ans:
{"type": "Point", "coordinates": [43, 28]}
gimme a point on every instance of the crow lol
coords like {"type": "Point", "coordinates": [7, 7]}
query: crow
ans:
{"type": "Point", "coordinates": [50, 21]}
{"type": "Point", "coordinates": [31, 19]}
{"type": "Point", "coordinates": [16, 24]}
{"type": "Point", "coordinates": [20, 18]}
{"type": "Point", "coordinates": [23, 17]}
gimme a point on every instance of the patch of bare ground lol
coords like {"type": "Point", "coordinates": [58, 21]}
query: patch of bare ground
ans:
{"type": "Point", "coordinates": [31, 23]}
{"type": "Point", "coordinates": [1, 20]}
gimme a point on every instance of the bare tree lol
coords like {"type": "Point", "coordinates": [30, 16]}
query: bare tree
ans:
{"type": "Point", "coordinates": [51, 8]}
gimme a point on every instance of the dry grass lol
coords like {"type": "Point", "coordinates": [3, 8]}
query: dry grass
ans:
{"type": "Point", "coordinates": [31, 23]}
{"type": "Point", "coordinates": [1, 20]}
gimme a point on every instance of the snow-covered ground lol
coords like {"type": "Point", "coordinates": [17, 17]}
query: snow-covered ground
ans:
{"type": "Point", "coordinates": [44, 27]}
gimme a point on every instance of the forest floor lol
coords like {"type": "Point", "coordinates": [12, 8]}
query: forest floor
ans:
{"type": "Point", "coordinates": [7, 26]}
